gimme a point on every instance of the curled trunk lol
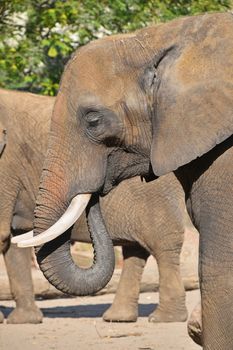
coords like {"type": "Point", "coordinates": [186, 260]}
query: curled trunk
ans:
{"type": "Point", "coordinates": [58, 267]}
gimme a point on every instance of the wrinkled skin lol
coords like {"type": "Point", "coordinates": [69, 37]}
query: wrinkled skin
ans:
{"type": "Point", "coordinates": [151, 222]}
{"type": "Point", "coordinates": [24, 138]}
{"type": "Point", "coordinates": [160, 97]}
{"type": "Point", "coordinates": [20, 165]}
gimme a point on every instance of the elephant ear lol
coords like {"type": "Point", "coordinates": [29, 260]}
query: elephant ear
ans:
{"type": "Point", "coordinates": [2, 138]}
{"type": "Point", "coordinates": [192, 104]}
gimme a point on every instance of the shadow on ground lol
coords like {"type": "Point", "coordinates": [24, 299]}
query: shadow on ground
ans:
{"type": "Point", "coordinates": [82, 311]}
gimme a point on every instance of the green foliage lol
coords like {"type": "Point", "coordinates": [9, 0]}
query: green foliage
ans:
{"type": "Point", "coordinates": [38, 36]}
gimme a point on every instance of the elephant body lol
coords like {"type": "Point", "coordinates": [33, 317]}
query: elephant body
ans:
{"type": "Point", "coordinates": [149, 224]}
{"type": "Point", "coordinates": [24, 121]}
{"type": "Point", "coordinates": [151, 102]}
{"type": "Point", "coordinates": [209, 182]}
{"type": "Point", "coordinates": [25, 118]}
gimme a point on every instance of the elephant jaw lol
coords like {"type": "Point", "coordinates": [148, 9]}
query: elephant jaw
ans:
{"type": "Point", "coordinates": [71, 215]}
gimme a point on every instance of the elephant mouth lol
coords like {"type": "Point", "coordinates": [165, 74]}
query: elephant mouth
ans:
{"type": "Point", "coordinates": [77, 206]}
{"type": "Point", "coordinates": [122, 165]}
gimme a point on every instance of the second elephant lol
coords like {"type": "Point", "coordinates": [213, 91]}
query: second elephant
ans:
{"type": "Point", "coordinates": [151, 222]}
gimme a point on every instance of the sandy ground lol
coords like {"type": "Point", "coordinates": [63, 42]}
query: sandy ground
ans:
{"type": "Point", "coordinates": [76, 323]}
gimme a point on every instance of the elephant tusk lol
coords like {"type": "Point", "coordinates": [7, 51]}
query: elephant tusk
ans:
{"type": "Point", "coordinates": [71, 215]}
{"type": "Point", "coordinates": [22, 237]}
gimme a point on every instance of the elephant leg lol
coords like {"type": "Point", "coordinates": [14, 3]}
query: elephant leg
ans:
{"type": "Point", "coordinates": [7, 204]}
{"type": "Point", "coordinates": [18, 265]}
{"type": "Point", "coordinates": [5, 229]}
{"type": "Point", "coordinates": [216, 283]}
{"type": "Point", "coordinates": [125, 304]}
{"type": "Point", "coordinates": [195, 325]}
{"type": "Point", "coordinates": [171, 306]}
{"type": "Point", "coordinates": [212, 209]}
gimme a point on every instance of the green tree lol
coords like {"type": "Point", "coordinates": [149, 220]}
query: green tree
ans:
{"type": "Point", "coordinates": [38, 36]}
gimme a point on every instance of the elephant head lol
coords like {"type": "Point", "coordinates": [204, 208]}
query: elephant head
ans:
{"type": "Point", "coordinates": [157, 98]}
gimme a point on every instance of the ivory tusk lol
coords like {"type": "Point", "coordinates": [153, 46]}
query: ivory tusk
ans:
{"type": "Point", "coordinates": [22, 237]}
{"type": "Point", "coordinates": [71, 215]}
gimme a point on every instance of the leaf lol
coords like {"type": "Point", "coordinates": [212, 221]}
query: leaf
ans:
{"type": "Point", "coordinates": [52, 52]}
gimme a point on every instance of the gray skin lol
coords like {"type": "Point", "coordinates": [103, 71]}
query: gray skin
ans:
{"type": "Point", "coordinates": [151, 215]}
{"type": "Point", "coordinates": [160, 98]}
{"type": "Point", "coordinates": [22, 152]}
{"type": "Point", "coordinates": [159, 230]}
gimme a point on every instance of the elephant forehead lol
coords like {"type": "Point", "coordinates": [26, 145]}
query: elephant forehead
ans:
{"type": "Point", "coordinates": [100, 87]}
{"type": "Point", "coordinates": [102, 69]}
{"type": "Point", "coordinates": [95, 76]}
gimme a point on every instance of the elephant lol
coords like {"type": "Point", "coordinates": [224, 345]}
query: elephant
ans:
{"type": "Point", "coordinates": [157, 232]}
{"type": "Point", "coordinates": [20, 166]}
{"type": "Point", "coordinates": [25, 120]}
{"type": "Point", "coordinates": [147, 103]}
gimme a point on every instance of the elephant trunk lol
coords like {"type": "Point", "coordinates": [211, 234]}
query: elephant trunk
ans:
{"type": "Point", "coordinates": [54, 257]}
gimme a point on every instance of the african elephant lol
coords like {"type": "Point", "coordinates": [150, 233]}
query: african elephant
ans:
{"type": "Point", "coordinates": [158, 99]}
{"type": "Point", "coordinates": [157, 231]}
{"type": "Point", "coordinates": [24, 123]}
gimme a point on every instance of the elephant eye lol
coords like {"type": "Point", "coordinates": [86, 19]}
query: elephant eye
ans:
{"type": "Point", "coordinates": [102, 125]}
{"type": "Point", "coordinates": [94, 122]}
{"type": "Point", "coordinates": [93, 119]}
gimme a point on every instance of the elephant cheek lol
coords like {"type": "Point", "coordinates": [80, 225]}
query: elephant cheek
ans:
{"type": "Point", "coordinates": [90, 171]}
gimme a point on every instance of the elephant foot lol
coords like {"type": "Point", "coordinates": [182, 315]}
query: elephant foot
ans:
{"type": "Point", "coordinates": [120, 314]}
{"type": "Point", "coordinates": [25, 315]}
{"type": "Point", "coordinates": [195, 325]}
{"type": "Point", "coordinates": [160, 315]}
{"type": "Point", "coordinates": [1, 317]}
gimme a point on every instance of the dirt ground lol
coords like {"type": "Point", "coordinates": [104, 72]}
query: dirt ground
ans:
{"type": "Point", "coordinates": [76, 323]}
